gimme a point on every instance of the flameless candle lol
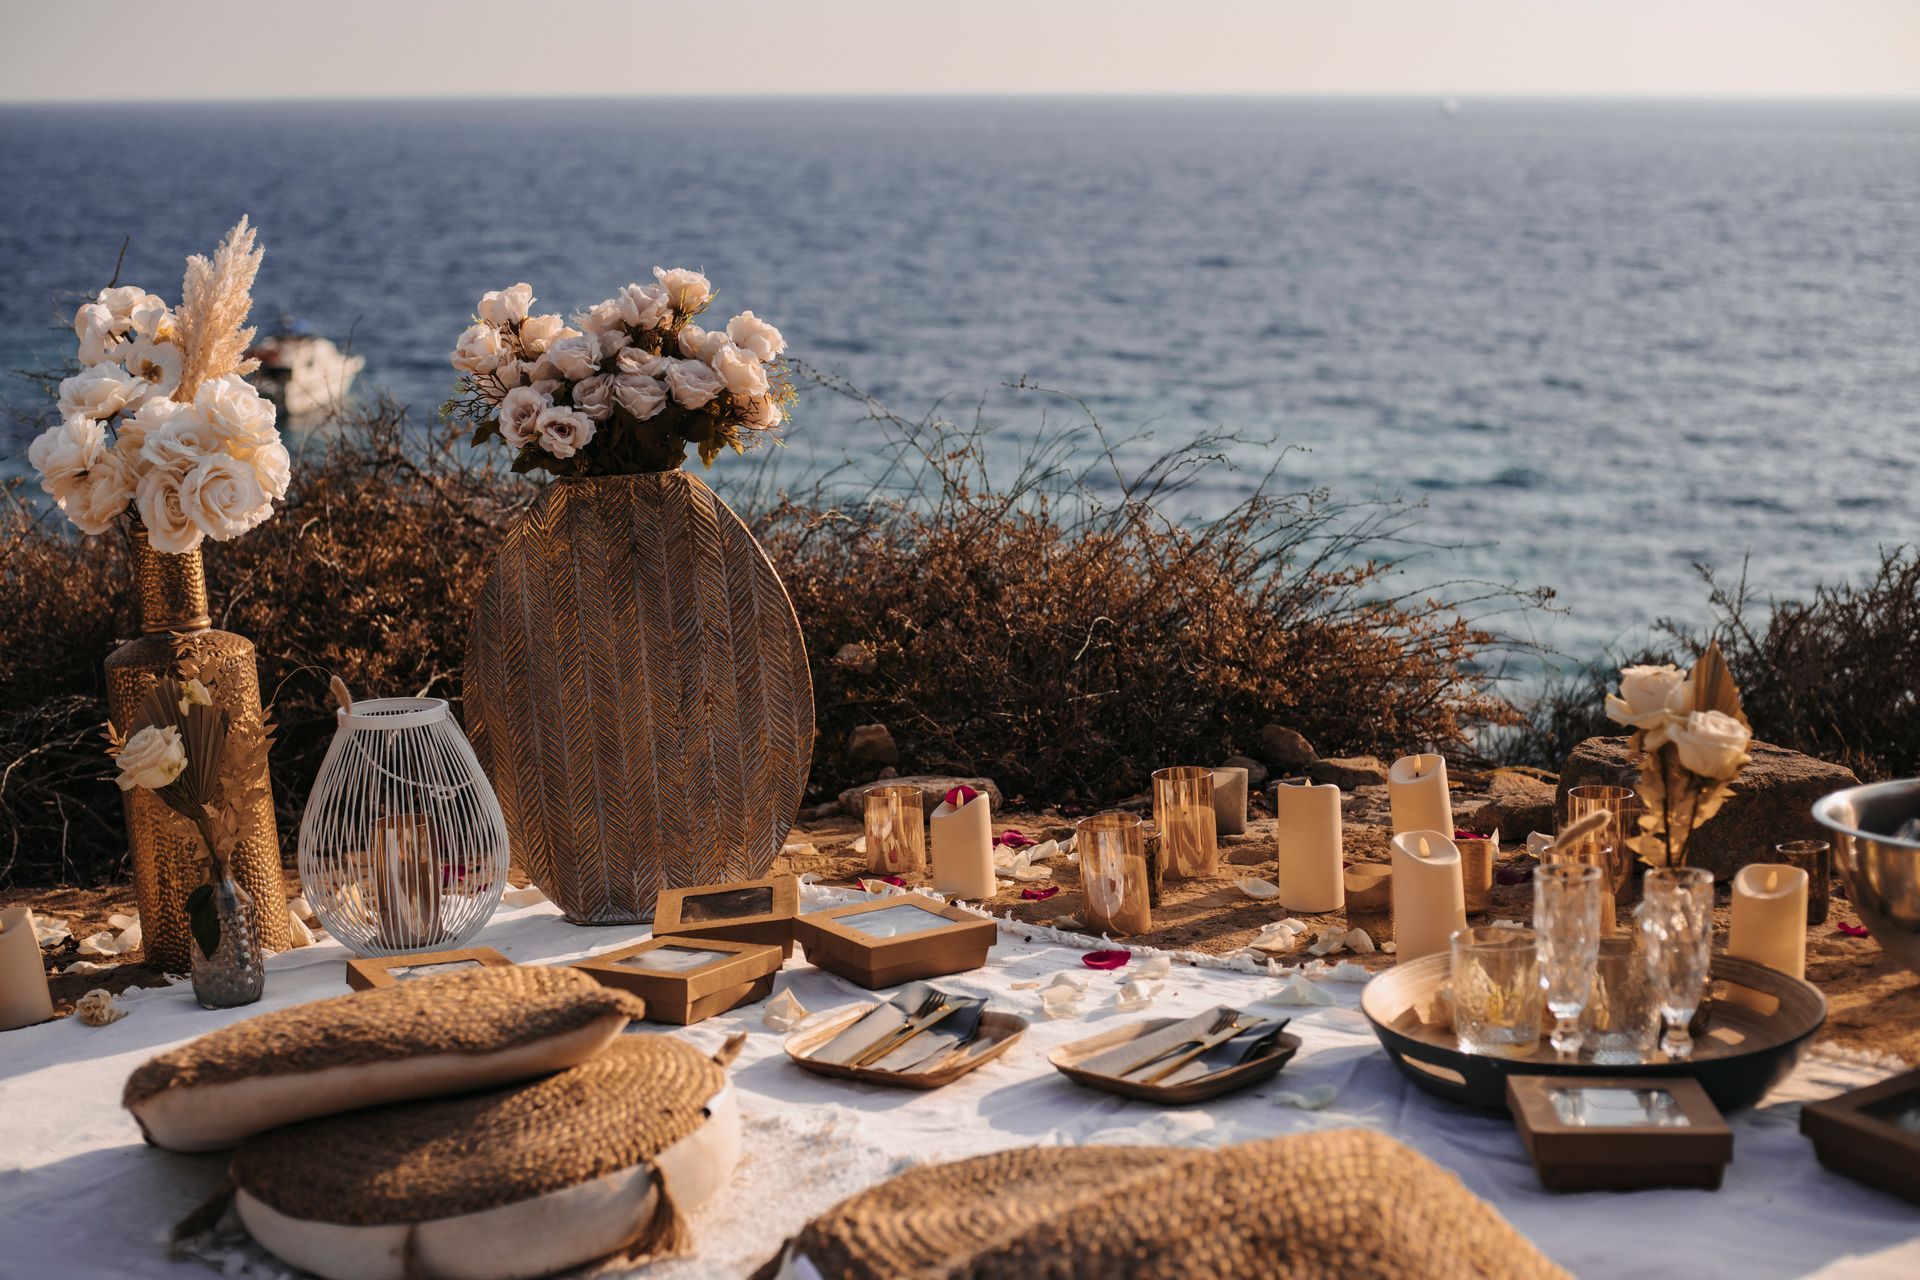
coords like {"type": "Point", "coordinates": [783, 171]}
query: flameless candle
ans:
{"type": "Point", "coordinates": [1417, 788]}
{"type": "Point", "coordinates": [1770, 917]}
{"type": "Point", "coordinates": [1429, 903]}
{"type": "Point", "coordinates": [24, 999]}
{"type": "Point", "coordinates": [962, 847]}
{"type": "Point", "coordinates": [1229, 801]}
{"type": "Point", "coordinates": [1307, 838]}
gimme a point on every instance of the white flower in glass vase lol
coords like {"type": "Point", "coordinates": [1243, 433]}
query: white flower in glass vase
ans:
{"type": "Point", "coordinates": [639, 395]}
{"type": "Point", "coordinates": [99, 392]}
{"type": "Point", "coordinates": [538, 333]}
{"type": "Point", "coordinates": [645, 306]}
{"type": "Point", "coordinates": [222, 496]}
{"type": "Point", "coordinates": [751, 333]}
{"type": "Point", "coordinates": [1711, 744]}
{"type": "Point", "coordinates": [576, 357]}
{"type": "Point", "coordinates": [481, 349]}
{"type": "Point", "coordinates": [520, 415]}
{"type": "Point", "coordinates": [697, 344]}
{"type": "Point", "coordinates": [502, 307]}
{"type": "Point", "coordinates": [693, 383]}
{"type": "Point", "coordinates": [152, 758]}
{"type": "Point", "coordinates": [687, 291]}
{"type": "Point", "coordinates": [564, 432]}
{"type": "Point", "coordinates": [745, 377]}
{"type": "Point", "coordinates": [594, 397]}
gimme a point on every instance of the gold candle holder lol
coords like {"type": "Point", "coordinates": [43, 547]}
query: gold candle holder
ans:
{"type": "Point", "coordinates": [1478, 853]}
{"type": "Point", "coordinates": [896, 830]}
{"type": "Point", "coordinates": [1114, 878]}
{"type": "Point", "coordinates": [1183, 814]}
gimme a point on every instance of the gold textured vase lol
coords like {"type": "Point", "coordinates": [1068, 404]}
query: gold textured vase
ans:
{"type": "Point", "coordinates": [169, 857]}
{"type": "Point", "coordinates": [637, 690]}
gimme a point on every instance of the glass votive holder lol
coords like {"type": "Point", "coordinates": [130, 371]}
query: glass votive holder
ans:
{"type": "Point", "coordinates": [1621, 1021]}
{"type": "Point", "coordinates": [1114, 878]}
{"type": "Point", "coordinates": [1496, 990]}
{"type": "Point", "coordinates": [1815, 857]}
{"type": "Point", "coordinates": [1183, 815]}
{"type": "Point", "coordinates": [1478, 853]}
{"type": "Point", "coordinates": [1623, 803]}
{"type": "Point", "coordinates": [896, 830]}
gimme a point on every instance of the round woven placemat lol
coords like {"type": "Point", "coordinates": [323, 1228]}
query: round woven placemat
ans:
{"type": "Point", "coordinates": [414, 1162]}
{"type": "Point", "coordinates": [477, 1011]}
{"type": "Point", "coordinates": [1349, 1203]}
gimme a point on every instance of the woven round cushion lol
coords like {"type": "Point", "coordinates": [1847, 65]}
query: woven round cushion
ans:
{"type": "Point", "coordinates": [1349, 1203]}
{"type": "Point", "coordinates": [513, 1182]}
{"type": "Point", "coordinates": [429, 1036]}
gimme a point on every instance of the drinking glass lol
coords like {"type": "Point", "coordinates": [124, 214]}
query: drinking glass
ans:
{"type": "Point", "coordinates": [1815, 857]}
{"type": "Point", "coordinates": [1675, 917]}
{"type": "Point", "coordinates": [1620, 1022]}
{"type": "Point", "coordinates": [896, 830]}
{"type": "Point", "coordinates": [1112, 849]}
{"type": "Point", "coordinates": [1183, 812]}
{"type": "Point", "coordinates": [1496, 990]}
{"type": "Point", "coordinates": [1566, 921]}
{"type": "Point", "coordinates": [1610, 840]}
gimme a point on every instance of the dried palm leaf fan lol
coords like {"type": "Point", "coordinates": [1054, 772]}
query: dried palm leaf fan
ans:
{"type": "Point", "coordinates": [402, 846]}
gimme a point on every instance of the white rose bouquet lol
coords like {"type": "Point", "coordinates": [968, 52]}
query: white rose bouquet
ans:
{"type": "Point", "coordinates": [1691, 736]}
{"type": "Point", "coordinates": [161, 418]}
{"type": "Point", "coordinates": [625, 388]}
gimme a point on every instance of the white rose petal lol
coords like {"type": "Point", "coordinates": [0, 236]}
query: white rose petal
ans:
{"type": "Point", "coordinates": [222, 495]}
{"type": "Point", "coordinates": [594, 397]}
{"type": "Point", "coordinates": [64, 453]}
{"type": "Point", "coordinates": [635, 360]}
{"type": "Point", "coordinates": [99, 336]}
{"type": "Point", "coordinates": [645, 306]}
{"type": "Point", "coordinates": [99, 498]}
{"type": "Point", "coordinates": [753, 334]}
{"type": "Point", "coordinates": [762, 415]}
{"type": "Point", "coordinates": [784, 1012]}
{"type": "Point", "coordinates": [1648, 697]}
{"type": "Point", "coordinates": [481, 349]}
{"type": "Point", "coordinates": [155, 363]}
{"type": "Point", "coordinates": [169, 528]}
{"type": "Point", "coordinates": [152, 758]}
{"type": "Point", "coordinates": [601, 317]}
{"type": "Point", "coordinates": [537, 333]}
{"type": "Point", "coordinates": [576, 357]}
{"type": "Point", "coordinates": [242, 417]}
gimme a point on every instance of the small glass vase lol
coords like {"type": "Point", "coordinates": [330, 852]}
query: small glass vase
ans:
{"type": "Point", "coordinates": [236, 972]}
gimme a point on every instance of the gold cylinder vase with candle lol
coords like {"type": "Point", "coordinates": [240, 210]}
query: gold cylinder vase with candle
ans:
{"type": "Point", "coordinates": [896, 830]}
{"type": "Point", "coordinates": [1114, 880]}
{"type": "Point", "coordinates": [1183, 815]}
{"type": "Point", "coordinates": [1611, 846]}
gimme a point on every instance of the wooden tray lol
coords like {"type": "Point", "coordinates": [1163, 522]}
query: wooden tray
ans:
{"type": "Point", "coordinates": [997, 1033]}
{"type": "Point", "coordinates": [1067, 1057]}
{"type": "Point", "coordinates": [1744, 1053]}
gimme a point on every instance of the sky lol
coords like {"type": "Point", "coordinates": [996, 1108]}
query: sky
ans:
{"type": "Point", "coordinates": [524, 48]}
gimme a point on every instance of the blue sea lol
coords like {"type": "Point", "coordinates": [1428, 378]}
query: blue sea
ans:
{"type": "Point", "coordinates": [1594, 343]}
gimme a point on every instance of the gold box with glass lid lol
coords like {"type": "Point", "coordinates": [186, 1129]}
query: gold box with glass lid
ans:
{"type": "Point", "coordinates": [760, 911]}
{"type": "Point", "coordinates": [898, 938]}
{"type": "Point", "coordinates": [687, 980]}
{"type": "Point", "coordinates": [390, 971]}
{"type": "Point", "coordinates": [1595, 1133]}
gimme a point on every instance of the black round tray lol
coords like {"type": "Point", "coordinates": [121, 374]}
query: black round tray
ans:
{"type": "Point", "coordinates": [1760, 1024]}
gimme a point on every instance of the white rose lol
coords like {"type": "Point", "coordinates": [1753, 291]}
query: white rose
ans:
{"type": "Point", "coordinates": [153, 320]}
{"type": "Point", "coordinates": [594, 396]}
{"type": "Point", "coordinates": [614, 341]}
{"type": "Point", "coordinates": [480, 350]}
{"type": "Point", "coordinates": [692, 383]}
{"type": "Point", "coordinates": [697, 344]}
{"type": "Point", "coordinates": [194, 694]}
{"type": "Point", "coordinates": [223, 496]}
{"type": "Point", "coordinates": [600, 317]}
{"type": "Point", "coordinates": [538, 333]}
{"type": "Point", "coordinates": [169, 528]}
{"type": "Point", "coordinates": [124, 302]}
{"type": "Point", "coordinates": [634, 360]}
{"type": "Point", "coordinates": [520, 415]}
{"type": "Point", "coordinates": [687, 291]}
{"type": "Point", "coordinates": [501, 307]}
{"type": "Point", "coordinates": [507, 375]}
{"type": "Point", "coordinates": [98, 392]}
{"type": "Point", "coordinates": [564, 432]}
{"type": "Point", "coordinates": [543, 386]}
{"type": "Point", "coordinates": [99, 337]}
{"type": "Point", "coordinates": [639, 395]}
{"type": "Point", "coordinates": [178, 439]}
{"type": "Point", "coordinates": [154, 416]}
{"type": "Point", "coordinates": [754, 334]}
{"type": "Point", "coordinates": [1711, 744]}
{"type": "Point", "coordinates": [155, 363]}
{"type": "Point", "coordinates": [152, 758]}
{"type": "Point", "coordinates": [242, 417]}
{"type": "Point", "coordinates": [273, 468]}
{"type": "Point", "coordinates": [762, 415]}
{"type": "Point", "coordinates": [65, 453]}
{"type": "Point", "coordinates": [645, 306]}
{"type": "Point", "coordinates": [98, 498]}
{"type": "Point", "coordinates": [745, 376]}
{"type": "Point", "coordinates": [1648, 696]}
{"type": "Point", "coordinates": [575, 358]}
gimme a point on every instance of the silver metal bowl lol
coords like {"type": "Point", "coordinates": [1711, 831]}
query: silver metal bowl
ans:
{"type": "Point", "coordinates": [1882, 874]}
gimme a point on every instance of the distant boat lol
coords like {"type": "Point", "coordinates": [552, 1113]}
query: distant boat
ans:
{"type": "Point", "coordinates": [302, 372]}
{"type": "Point", "coordinates": [1449, 106]}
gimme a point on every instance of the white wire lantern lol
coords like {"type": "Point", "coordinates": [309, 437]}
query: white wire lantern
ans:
{"type": "Point", "coordinates": [403, 846]}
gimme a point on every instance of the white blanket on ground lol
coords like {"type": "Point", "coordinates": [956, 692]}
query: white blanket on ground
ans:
{"type": "Point", "coordinates": [81, 1196]}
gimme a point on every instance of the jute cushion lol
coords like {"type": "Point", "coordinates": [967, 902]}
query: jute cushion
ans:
{"type": "Point", "coordinates": [512, 1182]}
{"type": "Point", "coordinates": [1345, 1203]}
{"type": "Point", "coordinates": [430, 1036]}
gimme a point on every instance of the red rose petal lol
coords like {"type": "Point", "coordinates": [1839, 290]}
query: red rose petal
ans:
{"type": "Point", "coordinates": [1512, 875]}
{"type": "Point", "coordinates": [1015, 839]}
{"type": "Point", "coordinates": [1854, 930]}
{"type": "Point", "coordinates": [1040, 895]}
{"type": "Point", "coordinates": [1469, 835]}
{"type": "Point", "coordinates": [961, 795]}
{"type": "Point", "coordinates": [1105, 959]}
{"type": "Point", "coordinates": [901, 881]}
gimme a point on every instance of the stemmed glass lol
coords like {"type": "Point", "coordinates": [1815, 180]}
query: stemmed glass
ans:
{"type": "Point", "coordinates": [1566, 920]}
{"type": "Point", "coordinates": [1675, 918]}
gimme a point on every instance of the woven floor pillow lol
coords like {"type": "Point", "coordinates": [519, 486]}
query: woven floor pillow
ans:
{"type": "Point", "coordinates": [430, 1036]}
{"type": "Point", "coordinates": [1347, 1203]}
{"type": "Point", "coordinates": [514, 1182]}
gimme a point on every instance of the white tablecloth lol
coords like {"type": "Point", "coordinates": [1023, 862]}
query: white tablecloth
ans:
{"type": "Point", "coordinates": [82, 1196]}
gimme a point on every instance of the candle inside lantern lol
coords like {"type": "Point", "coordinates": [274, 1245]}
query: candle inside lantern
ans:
{"type": "Point", "coordinates": [1417, 789]}
{"type": "Point", "coordinates": [1307, 840]}
{"type": "Point", "coordinates": [1183, 812]}
{"type": "Point", "coordinates": [1429, 902]}
{"type": "Point", "coordinates": [963, 845]}
{"type": "Point", "coordinates": [1769, 923]}
{"type": "Point", "coordinates": [406, 881]}
{"type": "Point", "coordinates": [1230, 801]}
{"type": "Point", "coordinates": [24, 999]}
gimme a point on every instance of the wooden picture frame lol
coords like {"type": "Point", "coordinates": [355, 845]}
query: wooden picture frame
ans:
{"type": "Point", "coordinates": [1591, 1133]}
{"type": "Point", "coordinates": [734, 974]}
{"type": "Point", "coordinates": [910, 948]}
{"type": "Point", "coordinates": [1871, 1135]}
{"type": "Point", "coordinates": [367, 972]}
{"type": "Point", "coordinates": [761, 911]}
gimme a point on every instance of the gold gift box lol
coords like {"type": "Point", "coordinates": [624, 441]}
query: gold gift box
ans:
{"type": "Point", "coordinates": [761, 911]}
{"type": "Point", "coordinates": [687, 980]}
{"type": "Point", "coordinates": [899, 938]}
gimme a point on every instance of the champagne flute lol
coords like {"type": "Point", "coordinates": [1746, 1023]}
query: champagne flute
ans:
{"type": "Point", "coordinates": [1675, 919]}
{"type": "Point", "coordinates": [1566, 920]}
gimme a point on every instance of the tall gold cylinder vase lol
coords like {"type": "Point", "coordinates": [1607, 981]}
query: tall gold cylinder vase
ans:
{"type": "Point", "coordinates": [169, 858]}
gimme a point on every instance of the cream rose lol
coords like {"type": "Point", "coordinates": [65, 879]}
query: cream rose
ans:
{"type": "Point", "coordinates": [273, 468]}
{"type": "Point", "coordinates": [153, 320]}
{"type": "Point", "coordinates": [1648, 696]}
{"type": "Point", "coordinates": [634, 360]}
{"type": "Point", "coordinates": [538, 333]}
{"type": "Point", "coordinates": [576, 357]}
{"type": "Point", "coordinates": [600, 317]}
{"type": "Point", "coordinates": [687, 291]}
{"type": "Point", "coordinates": [178, 439]}
{"type": "Point", "coordinates": [152, 758]}
{"type": "Point", "coordinates": [100, 496]}
{"type": "Point", "coordinates": [241, 417]}
{"type": "Point", "coordinates": [480, 350]}
{"type": "Point", "coordinates": [153, 417]}
{"type": "Point", "coordinates": [99, 392]}
{"type": "Point", "coordinates": [697, 344]}
{"type": "Point", "coordinates": [564, 432]}
{"type": "Point", "coordinates": [94, 325]}
{"type": "Point", "coordinates": [502, 307]}
{"type": "Point", "coordinates": [751, 333]}
{"type": "Point", "coordinates": [155, 363]}
{"type": "Point", "coordinates": [762, 415]}
{"type": "Point", "coordinates": [639, 395]}
{"type": "Point", "coordinates": [125, 302]}
{"type": "Point", "coordinates": [1711, 744]}
{"type": "Point", "coordinates": [520, 415]}
{"type": "Point", "coordinates": [645, 306]}
{"type": "Point", "coordinates": [693, 384]}
{"type": "Point", "coordinates": [65, 453]}
{"type": "Point", "coordinates": [222, 495]}
{"type": "Point", "coordinates": [169, 528]}
{"type": "Point", "coordinates": [744, 375]}
{"type": "Point", "coordinates": [594, 396]}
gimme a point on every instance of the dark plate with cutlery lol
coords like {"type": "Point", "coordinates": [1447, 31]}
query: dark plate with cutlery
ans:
{"type": "Point", "coordinates": [922, 1039]}
{"type": "Point", "coordinates": [1179, 1060]}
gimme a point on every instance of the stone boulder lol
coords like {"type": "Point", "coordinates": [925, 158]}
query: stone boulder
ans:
{"type": "Point", "coordinates": [1256, 772]}
{"type": "Point", "coordinates": [932, 789]}
{"type": "Point", "coordinates": [1516, 803]}
{"type": "Point", "coordinates": [1772, 800]}
{"type": "Point", "coordinates": [1348, 772]}
{"type": "Point", "coordinates": [1285, 749]}
{"type": "Point", "coordinates": [872, 744]}
{"type": "Point", "coordinates": [858, 658]}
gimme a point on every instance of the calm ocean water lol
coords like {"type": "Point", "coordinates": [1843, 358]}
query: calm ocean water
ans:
{"type": "Point", "coordinates": [1599, 341]}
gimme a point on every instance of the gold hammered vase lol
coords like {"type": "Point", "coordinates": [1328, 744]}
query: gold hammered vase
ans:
{"type": "Point", "coordinates": [169, 858]}
{"type": "Point", "coordinates": [637, 690]}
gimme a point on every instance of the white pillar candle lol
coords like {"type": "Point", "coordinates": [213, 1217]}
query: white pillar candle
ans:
{"type": "Point", "coordinates": [1417, 788]}
{"type": "Point", "coordinates": [962, 849]}
{"type": "Point", "coordinates": [1769, 924]}
{"type": "Point", "coordinates": [1230, 801]}
{"type": "Point", "coordinates": [1307, 838]}
{"type": "Point", "coordinates": [24, 999]}
{"type": "Point", "coordinates": [1429, 902]}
